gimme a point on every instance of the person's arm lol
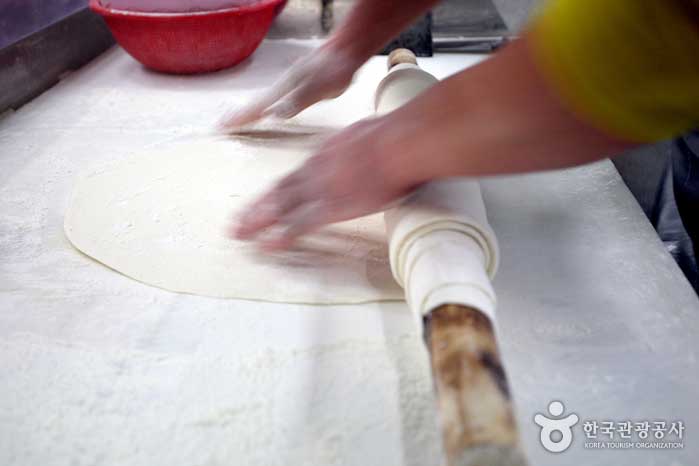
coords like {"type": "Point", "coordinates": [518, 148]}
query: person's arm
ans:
{"type": "Point", "coordinates": [497, 117]}
{"type": "Point", "coordinates": [588, 80]}
{"type": "Point", "coordinates": [327, 71]}
{"type": "Point", "coordinates": [371, 24]}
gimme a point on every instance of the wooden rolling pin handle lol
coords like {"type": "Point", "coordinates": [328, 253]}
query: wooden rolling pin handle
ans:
{"type": "Point", "coordinates": [398, 56]}
{"type": "Point", "coordinates": [478, 424]}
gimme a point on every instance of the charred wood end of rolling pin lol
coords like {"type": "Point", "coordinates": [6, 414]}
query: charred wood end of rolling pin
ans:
{"type": "Point", "coordinates": [472, 390]}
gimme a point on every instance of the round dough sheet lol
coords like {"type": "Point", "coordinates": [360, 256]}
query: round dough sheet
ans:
{"type": "Point", "coordinates": [161, 218]}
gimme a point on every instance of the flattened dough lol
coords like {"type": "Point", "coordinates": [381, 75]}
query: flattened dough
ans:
{"type": "Point", "coordinates": [160, 217]}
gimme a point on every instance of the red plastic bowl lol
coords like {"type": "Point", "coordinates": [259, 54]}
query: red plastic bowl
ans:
{"type": "Point", "coordinates": [193, 42]}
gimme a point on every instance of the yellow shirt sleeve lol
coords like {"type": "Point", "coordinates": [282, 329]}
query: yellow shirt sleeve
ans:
{"type": "Point", "coordinates": [628, 67]}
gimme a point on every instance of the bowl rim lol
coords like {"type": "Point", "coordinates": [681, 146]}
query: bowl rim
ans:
{"type": "Point", "coordinates": [96, 5]}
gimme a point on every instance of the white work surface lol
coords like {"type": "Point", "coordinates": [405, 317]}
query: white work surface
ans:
{"type": "Point", "coordinates": [98, 369]}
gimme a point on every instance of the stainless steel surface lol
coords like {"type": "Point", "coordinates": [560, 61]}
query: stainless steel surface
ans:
{"type": "Point", "coordinates": [469, 44]}
{"type": "Point", "coordinates": [452, 18]}
{"type": "Point", "coordinates": [516, 13]}
{"type": "Point", "coordinates": [21, 18]}
{"type": "Point", "coordinates": [463, 18]}
{"type": "Point", "coordinates": [31, 65]}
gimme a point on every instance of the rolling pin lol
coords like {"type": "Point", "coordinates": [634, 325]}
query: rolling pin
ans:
{"type": "Point", "coordinates": [443, 253]}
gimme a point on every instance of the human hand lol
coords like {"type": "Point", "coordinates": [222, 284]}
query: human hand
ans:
{"type": "Point", "coordinates": [498, 117]}
{"type": "Point", "coordinates": [324, 74]}
{"type": "Point", "coordinates": [351, 175]}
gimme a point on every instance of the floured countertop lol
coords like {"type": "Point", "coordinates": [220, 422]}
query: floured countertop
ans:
{"type": "Point", "coordinates": [96, 368]}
